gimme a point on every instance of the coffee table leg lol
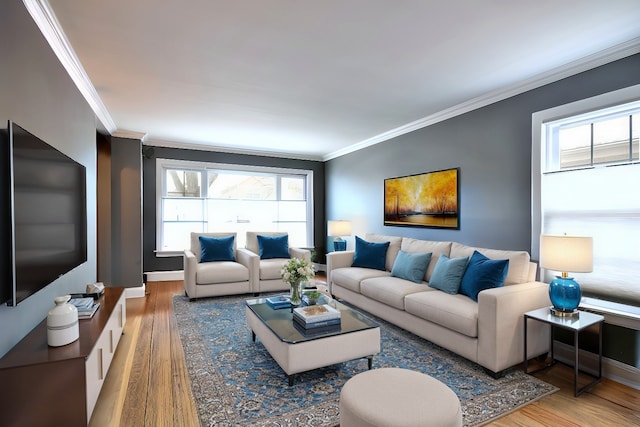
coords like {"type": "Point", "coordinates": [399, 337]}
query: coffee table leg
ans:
{"type": "Point", "coordinates": [370, 362]}
{"type": "Point", "coordinates": [291, 379]}
{"type": "Point", "coordinates": [253, 336]}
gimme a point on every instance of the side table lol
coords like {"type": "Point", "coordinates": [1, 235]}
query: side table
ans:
{"type": "Point", "coordinates": [576, 325]}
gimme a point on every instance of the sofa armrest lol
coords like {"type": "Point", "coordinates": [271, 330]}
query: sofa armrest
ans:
{"type": "Point", "coordinates": [501, 324]}
{"type": "Point", "coordinates": [338, 259]}
{"type": "Point", "coordinates": [190, 264]}
{"type": "Point", "coordinates": [301, 253]}
{"type": "Point", "coordinates": [250, 260]}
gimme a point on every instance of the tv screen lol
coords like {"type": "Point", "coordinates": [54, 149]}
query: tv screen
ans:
{"type": "Point", "coordinates": [49, 221]}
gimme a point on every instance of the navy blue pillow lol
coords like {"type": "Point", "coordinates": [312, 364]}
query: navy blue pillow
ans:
{"type": "Point", "coordinates": [448, 273]}
{"type": "Point", "coordinates": [216, 248]}
{"type": "Point", "coordinates": [370, 254]}
{"type": "Point", "coordinates": [483, 273]}
{"type": "Point", "coordinates": [411, 265]}
{"type": "Point", "coordinates": [273, 246]}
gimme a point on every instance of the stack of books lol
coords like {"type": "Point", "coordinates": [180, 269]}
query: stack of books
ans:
{"type": "Point", "coordinates": [86, 307]}
{"type": "Point", "coordinates": [279, 301]}
{"type": "Point", "coordinates": [317, 318]}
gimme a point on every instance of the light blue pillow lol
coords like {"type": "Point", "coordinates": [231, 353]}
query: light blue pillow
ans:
{"type": "Point", "coordinates": [370, 254]}
{"type": "Point", "coordinates": [483, 273]}
{"type": "Point", "coordinates": [448, 273]}
{"type": "Point", "coordinates": [273, 246]}
{"type": "Point", "coordinates": [216, 248]}
{"type": "Point", "coordinates": [411, 265]}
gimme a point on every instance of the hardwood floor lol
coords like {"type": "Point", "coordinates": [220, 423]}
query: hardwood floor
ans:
{"type": "Point", "coordinates": [148, 383]}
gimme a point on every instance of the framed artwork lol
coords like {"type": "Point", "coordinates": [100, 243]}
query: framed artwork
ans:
{"type": "Point", "coordinates": [429, 199]}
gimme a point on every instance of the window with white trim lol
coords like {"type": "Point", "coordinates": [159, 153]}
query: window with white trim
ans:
{"type": "Point", "coordinates": [206, 197]}
{"type": "Point", "coordinates": [588, 177]}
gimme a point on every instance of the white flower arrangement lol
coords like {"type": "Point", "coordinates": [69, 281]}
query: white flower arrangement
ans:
{"type": "Point", "coordinates": [296, 270]}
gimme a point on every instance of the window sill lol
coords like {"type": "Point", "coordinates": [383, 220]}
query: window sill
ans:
{"type": "Point", "coordinates": [627, 316]}
{"type": "Point", "coordinates": [168, 254]}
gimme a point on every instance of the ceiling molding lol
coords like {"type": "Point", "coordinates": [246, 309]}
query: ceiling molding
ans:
{"type": "Point", "coordinates": [130, 134]}
{"type": "Point", "coordinates": [48, 24]}
{"type": "Point", "coordinates": [603, 57]}
{"type": "Point", "coordinates": [230, 150]}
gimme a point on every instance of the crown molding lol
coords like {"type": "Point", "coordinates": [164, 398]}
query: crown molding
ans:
{"type": "Point", "coordinates": [603, 57]}
{"type": "Point", "coordinates": [130, 134]}
{"type": "Point", "coordinates": [45, 19]}
{"type": "Point", "coordinates": [230, 150]}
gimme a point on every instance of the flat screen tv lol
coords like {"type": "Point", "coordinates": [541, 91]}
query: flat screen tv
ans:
{"type": "Point", "coordinates": [48, 213]}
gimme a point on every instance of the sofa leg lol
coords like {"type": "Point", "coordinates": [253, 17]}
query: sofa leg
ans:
{"type": "Point", "coordinates": [495, 375]}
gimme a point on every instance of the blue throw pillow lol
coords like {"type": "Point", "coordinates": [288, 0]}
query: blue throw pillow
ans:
{"type": "Point", "coordinates": [483, 273]}
{"type": "Point", "coordinates": [411, 266]}
{"type": "Point", "coordinates": [273, 246]}
{"type": "Point", "coordinates": [216, 248]}
{"type": "Point", "coordinates": [448, 273]}
{"type": "Point", "coordinates": [370, 254]}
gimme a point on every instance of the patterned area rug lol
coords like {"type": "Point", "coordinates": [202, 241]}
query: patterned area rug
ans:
{"type": "Point", "coordinates": [236, 382]}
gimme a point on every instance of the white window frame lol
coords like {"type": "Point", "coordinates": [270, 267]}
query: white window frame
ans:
{"type": "Point", "coordinates": [163, 164]}
{"type": "Point", "coordinates": [539, 143]}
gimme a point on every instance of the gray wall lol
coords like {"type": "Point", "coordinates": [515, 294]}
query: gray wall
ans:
{"type": "Point", "coordinates": [153, 263]}
{"type": "Point", "coordinates": [38, 94]}
{"type": "Point", "coordinates": [492, 148]}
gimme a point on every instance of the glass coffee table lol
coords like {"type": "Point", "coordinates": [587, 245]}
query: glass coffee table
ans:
{"type": "Point", "coordinates": [298, 351]}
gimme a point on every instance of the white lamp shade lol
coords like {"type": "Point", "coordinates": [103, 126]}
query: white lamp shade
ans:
{"type": "Point", "coordinates": [566, 253]}
{"type": "Point", "coordinates": [339, 228]}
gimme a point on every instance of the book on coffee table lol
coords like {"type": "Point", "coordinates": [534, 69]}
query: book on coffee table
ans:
{"type": "Point", "coordinates": [315, 313]}
{"type": "Point", "coordinates": [279, 301]}
{"type": "Point", "coordinates": [317, 325]}
{"type": "Point", "coordinates": [310, 332]}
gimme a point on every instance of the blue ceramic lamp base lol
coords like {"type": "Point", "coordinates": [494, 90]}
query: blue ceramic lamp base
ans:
{"type": "Point", "coordinates": [565, 295]}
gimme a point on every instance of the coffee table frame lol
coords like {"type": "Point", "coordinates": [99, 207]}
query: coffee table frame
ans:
{"type": "Point", "coordinates": [299, 355]}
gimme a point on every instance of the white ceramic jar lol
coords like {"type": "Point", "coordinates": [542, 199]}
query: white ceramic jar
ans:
{"type": "Point", "coordinates": [62, 323]}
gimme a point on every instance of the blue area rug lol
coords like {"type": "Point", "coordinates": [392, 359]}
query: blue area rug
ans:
{"type": "Point", "coordinates": [236, 382]}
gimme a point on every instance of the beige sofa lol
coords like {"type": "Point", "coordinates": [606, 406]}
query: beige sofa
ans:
{"type": "Point", "coordinates": [489, 332]}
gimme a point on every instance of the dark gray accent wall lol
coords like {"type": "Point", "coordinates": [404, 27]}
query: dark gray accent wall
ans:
{"type": "Point", "coordinates": [153, 263]}
{"type": "Point", "coordinates": [492, 148]}
{"type": "Point", "coordinates": [38, 94]}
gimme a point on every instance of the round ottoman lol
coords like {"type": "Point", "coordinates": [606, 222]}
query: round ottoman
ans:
{"type": "Point", "coordinates": [397, 397]}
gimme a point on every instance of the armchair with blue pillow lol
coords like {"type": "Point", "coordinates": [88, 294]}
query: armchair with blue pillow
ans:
{"type": "Point", "coordinates": [214, 266]}
{"type": "Point", "coordinates": [271, 251]}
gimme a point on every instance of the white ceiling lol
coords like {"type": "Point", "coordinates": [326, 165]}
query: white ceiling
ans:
{"type": "Point", "coordinates": [316, 79]}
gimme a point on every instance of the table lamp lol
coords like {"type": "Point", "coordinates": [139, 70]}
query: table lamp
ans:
{"type": "Point", "coordinates": [337, 229]}
{"type": "Point", "coordinates": [566, 254]}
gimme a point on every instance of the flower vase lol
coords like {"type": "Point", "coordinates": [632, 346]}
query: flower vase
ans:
{"type": "Point", "coordinates": [296, 293]}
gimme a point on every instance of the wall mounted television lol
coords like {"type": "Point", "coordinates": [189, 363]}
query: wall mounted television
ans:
{"type": "Point", "coordinates": [47, 192]}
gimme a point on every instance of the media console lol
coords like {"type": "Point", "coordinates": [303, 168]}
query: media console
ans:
{"type": "Point", "coordinates": [54, 386]}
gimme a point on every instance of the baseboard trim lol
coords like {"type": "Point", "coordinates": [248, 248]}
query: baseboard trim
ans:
{"type": "Point", "coordinates": [612, 369]}
{"type": "Point", "coordinates": [138, 292]}
{"type": "Point", "coordinates": [164, 276]}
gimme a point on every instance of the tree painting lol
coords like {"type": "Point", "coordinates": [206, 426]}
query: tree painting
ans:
{"type": "Point", "coordinates": [428, 200]}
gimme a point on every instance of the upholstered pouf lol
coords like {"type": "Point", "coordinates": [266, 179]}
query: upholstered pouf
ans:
{"type": "Point", "coordinates": [394, 397]}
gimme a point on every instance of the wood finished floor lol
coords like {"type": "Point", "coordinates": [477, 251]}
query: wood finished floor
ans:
{"type": "Point", "coordinates": [148, 383]}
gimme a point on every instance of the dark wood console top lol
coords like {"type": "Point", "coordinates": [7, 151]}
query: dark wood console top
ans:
{"type": "Point", "coordinates": [33, 348]}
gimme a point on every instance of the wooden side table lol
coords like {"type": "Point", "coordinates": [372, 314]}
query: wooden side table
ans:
{"type": "Point", "coordinates": [576, 325]}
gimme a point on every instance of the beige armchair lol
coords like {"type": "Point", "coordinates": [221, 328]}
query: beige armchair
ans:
{"type": "Point", "coordinates": [216, 278]}
{"type": "Point", "coordinates": [267, 271]}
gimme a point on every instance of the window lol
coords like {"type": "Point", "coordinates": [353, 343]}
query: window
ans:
{"type": "Point", "coordinates": [203, 197]}
{"type": "Point", "coordinates": [586, 171]}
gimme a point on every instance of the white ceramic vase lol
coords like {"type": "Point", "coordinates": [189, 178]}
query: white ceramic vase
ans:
{"type": "Point", "coordinates": [62, 323]}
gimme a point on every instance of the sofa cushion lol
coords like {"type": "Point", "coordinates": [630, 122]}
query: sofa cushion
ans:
{"type": "Point", "coordinates": [411, 266]}
{"type": "Point", "coordinates": [270, 268]}
{"type": "Point", "coordinates": [195, 241]}
{"type": "Point", "coordinates": [392, 251]}
{"type": "Point", "coordinates": [448, 273]}
{"type": "Point", "coordinates": [456, 312]}
{"type": "Point", "coordinates": [350, 277]}
{"type": "Point", "coordinates": [436, 248]}
{"type": "Point", "coordinates": [483, 273]}
{"type": "Point", "coordinates": [390, 290]}
{"type": "Point", "coordinates": [370, 254]}
{"type": "Point", "coordinates": [273, 246]}
{"type": "Point", "coordinates": [217, 248]}
{"type": "Point", "coordinates": [208, 273]}
{"type": "Point", "coordinates": [518, 271]}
